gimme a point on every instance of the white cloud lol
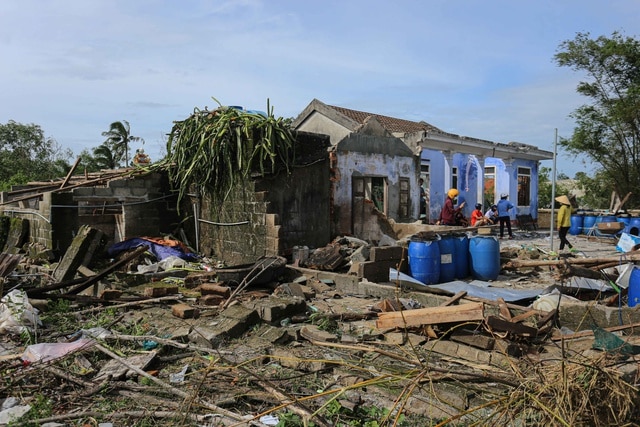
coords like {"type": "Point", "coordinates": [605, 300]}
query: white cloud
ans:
{"type": "Point", "coordinates": [479, 69]}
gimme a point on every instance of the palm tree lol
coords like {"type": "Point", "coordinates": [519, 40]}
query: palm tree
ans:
{"type": "Point", "coordinates": [103, 158]}
{"type": "Point", "coordinates": [118, 139]}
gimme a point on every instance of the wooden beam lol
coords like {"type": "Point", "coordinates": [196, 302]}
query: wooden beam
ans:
{"type": "Point", "coordinates": [71, 171]}
{"type": "Point", "coordinates": [619, 205]}
{"type": "Point", "coordinates": [431, 316]}
{"type": "Point", "coordinates": [501, 325]}
{"type": "Point", "coordinates": [504, 310]}
{"type": "Point", "coordinates": [614, 196]}
{"type": "Point", "coordinates": [457, 297]}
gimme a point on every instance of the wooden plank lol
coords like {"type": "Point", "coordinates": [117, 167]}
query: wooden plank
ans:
{"type": "Point", "coordinates": [454, 299]}
{"type": "Point", "coordinates": [501, 325]}
{"type": "Point", "coordinates": [71, 171]}
{"type": "Point", "coordinates": [619, 205]}
{"type": "Point", "coordinates": [431, 316]}
{"type": "Point", "coordinates": [524, 316]}
{"type": "Point", "coordinates": [504, 310]}
{"type": "Point", "coordinates": [614, 196]}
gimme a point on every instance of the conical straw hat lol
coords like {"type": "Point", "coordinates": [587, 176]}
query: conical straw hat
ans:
{"type": "Point", "coordinates": [563, 199]}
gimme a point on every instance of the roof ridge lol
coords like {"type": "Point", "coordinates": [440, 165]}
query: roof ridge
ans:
{"type": "Point", "coordinates": [393, 124]}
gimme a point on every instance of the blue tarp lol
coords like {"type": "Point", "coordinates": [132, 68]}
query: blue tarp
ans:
{"type": "Point", "coordinates": [159, 251]}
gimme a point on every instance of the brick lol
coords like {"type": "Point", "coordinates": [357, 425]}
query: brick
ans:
{"type": "Point", "coordinates": [214, 289]}
{"type": "Point", "coordinates": [211, 300]}
{"type": "Point", "coordinates": [184, 311]}
{"type": "Point", "coordinates": [160, 291]}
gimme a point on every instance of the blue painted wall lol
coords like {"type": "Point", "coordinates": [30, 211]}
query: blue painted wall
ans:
{"type": "Point", "coordinates": [470, 174]}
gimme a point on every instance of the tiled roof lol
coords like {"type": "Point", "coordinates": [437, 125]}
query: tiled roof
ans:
{"type": "Point", "coordinates": [392, 124]}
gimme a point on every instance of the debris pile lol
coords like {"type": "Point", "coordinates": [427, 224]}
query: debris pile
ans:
{"type": "Point", "coordinates": [134, 335]}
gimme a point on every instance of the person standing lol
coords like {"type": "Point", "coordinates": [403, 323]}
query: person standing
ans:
{"type": "Point", "coordinates": [448, 212]}
{"type": "Point", "coordinates": [564, 221]}
{"type": "Point", "coordinates": [504, 206]}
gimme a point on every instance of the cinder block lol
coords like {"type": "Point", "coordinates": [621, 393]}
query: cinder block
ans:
{"type": "Point", "coordinates": [271, 220]}
{"type": "Point", "coordinates": [275, 231]}
{"type": "Point", "coordinates": [386, 253]}
{"type": "Point", "coordinates": [273, 309]}
{"type": "Point", "coordinates": [376, 271]}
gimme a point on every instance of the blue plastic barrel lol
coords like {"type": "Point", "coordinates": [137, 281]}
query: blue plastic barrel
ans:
{"type": "Point", "coordinates": [588, 223]}
{"type": "Point", "coordinates": [424, 261]}
{"type": "Point", "coordinates": [577, 222]}
{"type": "Point", "coordinates": [462, 256]}
{"type": "Point", "coordinates": [484, 252]}
{"type": "Point", "coordinates": [634, 287]}
{"type": "Point", "coordinates": [447, 259]}
{"type": "Point", "coordinates": [625, 219]}
{"type": "Point", "coordinates": [634, 226]}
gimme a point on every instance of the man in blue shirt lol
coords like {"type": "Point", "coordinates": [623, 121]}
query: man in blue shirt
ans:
{"type": "Point", "coordinates": [504, 205]}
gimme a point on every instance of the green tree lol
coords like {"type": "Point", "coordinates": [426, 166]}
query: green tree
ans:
{"type": "Point", "coordinates": [104, 157]}
{"type": "Point", "coordinates": [118, 140]}
{"type": "Point", "coordinates": [27, 155]}
{"type": "Point", "coordinates": [608, 127]}
{"type": "Point", "coordinates": [597, 193]}
{"type": "Point", "coordinates": [545, 187]}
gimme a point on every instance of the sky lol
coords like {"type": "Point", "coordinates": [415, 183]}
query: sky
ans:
{"type": "Point", "coordinates": [482, 69]}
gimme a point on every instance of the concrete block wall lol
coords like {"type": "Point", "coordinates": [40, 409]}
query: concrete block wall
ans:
{"type": "Point", "coordinates": [148, 210]}
{"type": "Point", "coordinates": [274, 213]}
{"type": "Point", "coordinates": [242, 236]}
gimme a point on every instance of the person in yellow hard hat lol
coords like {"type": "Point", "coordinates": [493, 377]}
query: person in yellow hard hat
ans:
{"type": "Point", "coordinates": [564, 221]}
{"type": "Point", "coordinates": [448, 213]}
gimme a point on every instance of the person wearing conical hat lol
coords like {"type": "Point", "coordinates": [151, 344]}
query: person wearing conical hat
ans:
{"type": "Point", "coordinates": [564, 221]}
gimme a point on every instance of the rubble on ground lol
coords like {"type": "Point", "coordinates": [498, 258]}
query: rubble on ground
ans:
{"type": "Point", "coordinates": [339, 336]}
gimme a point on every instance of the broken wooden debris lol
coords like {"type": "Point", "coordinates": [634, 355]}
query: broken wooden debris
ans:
{"type": "Point", "coordinates": [496, 324]}
{"type": "Point", "coordinates": [431, 316]}
{"type": "Point", "coordinates": [41, 292]}
{"type": "Point", "coordinates": [81, 250]}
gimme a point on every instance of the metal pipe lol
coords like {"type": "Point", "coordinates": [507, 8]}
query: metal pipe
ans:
{"type": "Point", "coordinates": [553, 189]}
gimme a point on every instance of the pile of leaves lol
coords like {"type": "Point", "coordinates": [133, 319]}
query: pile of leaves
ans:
{"type": "Point", "coordinates": [212, 151]}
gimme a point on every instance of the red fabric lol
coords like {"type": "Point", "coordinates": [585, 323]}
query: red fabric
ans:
{"type": "Point", "coordinates": [475, 216]}
{"type": "Point", "coordinates": [448, 214]}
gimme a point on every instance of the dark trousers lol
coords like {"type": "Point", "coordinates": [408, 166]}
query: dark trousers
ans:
{"type": "Point", "coordinates": [505, 220]}
{"type": "Point", "coordinates": [562, 232]}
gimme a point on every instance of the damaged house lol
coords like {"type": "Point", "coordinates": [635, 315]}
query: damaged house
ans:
{"type": "Point", "coordinates": [355, 173]}
{"type": "Point", "coordinates": [481, 170]}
